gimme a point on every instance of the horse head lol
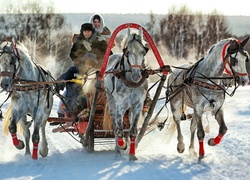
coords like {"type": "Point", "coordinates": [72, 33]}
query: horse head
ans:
{"type": "Point", "coordinates": [134, 52]}
{"type": "Point", "coordinates": [235, 61]}
{"type": "Point", "coordinates": [9, 65]}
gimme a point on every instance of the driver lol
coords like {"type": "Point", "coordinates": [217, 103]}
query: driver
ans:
{"type": "Point", "coordinates": [88, 50]}
{"type": "Point", "coordinates": [87, 53]}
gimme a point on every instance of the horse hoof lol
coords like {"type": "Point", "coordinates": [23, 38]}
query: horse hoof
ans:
{"type": "Point", "coordinates": [132, 157]}
{"type": "Point", "coordinates": [201, 156]}
{"type": "Point", "coordinates": [180, 150]}
{"type": "Point", "coordinates": [84, 143]}
{"type": "Point", "coordinates": [124, 147]}
{"type": "Point", "coordinates": [193, 153]}
{"type": "Point", "coordinates": [44, 152]}
{"type": "Point", "coordinates": [211, 142]}
{"type": "Point", "coordinates": [20, 145]}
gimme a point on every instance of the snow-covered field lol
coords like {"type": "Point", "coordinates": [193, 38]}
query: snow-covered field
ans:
{"type": "Point", "coordinates": [157, 156]}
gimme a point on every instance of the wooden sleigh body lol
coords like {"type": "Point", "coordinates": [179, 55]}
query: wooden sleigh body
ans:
{"type": "Point", "coordinates": [69, 123]}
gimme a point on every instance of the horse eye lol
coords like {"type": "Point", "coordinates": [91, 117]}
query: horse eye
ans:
{"type": "Point", "coordinates": [233, 61]}
{"type": "Point", "coordinates": [12, 61]}
{"type": "Point", "coordinates": [143, 52]}
{"type": "Point", "coordinates": [126, 53]}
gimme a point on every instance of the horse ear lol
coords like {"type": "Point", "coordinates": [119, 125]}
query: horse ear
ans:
{"type": "Point", "coordinates": [233, 46]}
{"type": "Point", "coordinates": [244, 42]}
{"type": "Point", "coordinates": [146, 49]}
{"type": "Point", "coordinates": [128, 32]}
{"type": "Point", "coordinates": [140, 32]}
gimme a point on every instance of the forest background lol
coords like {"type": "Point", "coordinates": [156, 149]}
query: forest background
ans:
{"type": "Point", "coordinates": [181, 35]}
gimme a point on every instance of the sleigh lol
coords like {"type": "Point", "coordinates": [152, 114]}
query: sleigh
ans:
{"type": "Point", "coordinates": [90, 125]}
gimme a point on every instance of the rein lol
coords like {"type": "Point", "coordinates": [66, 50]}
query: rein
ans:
{"type": "Point", "coordinates": [121, 73]}
{"type": "Point", "coordinates": [213, 86]}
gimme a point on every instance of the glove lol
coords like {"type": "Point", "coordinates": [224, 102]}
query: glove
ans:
{"type": "Point", "coordinates": [87, 45]}
{"type": "Point", "coordinates": [59, 86]}
{"type": "Point", "coordinates": [101, 38]}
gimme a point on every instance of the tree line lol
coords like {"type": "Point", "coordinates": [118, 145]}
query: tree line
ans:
{"type": "Point", "coordinates": [45, 33]}
{"type": "Point", "coordinates": [182, 32]}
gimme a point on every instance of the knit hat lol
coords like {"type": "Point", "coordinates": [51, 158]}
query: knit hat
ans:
{"type": "Point", "coordinates": [87, 26]}
{"type": "Point", "coordinates": [96, 17]}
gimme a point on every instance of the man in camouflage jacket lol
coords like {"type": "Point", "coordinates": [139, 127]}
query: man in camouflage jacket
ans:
{"type": "Point", "coordinates": [88, 50]}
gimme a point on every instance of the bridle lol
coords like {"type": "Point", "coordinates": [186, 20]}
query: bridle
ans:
{"type": "Point", "coordinates": [230, 61]}
{"type": "Point", "coordinates": [17, 83]}
{"type": "Point", "coordinates": [121, 73]}
{"type": "Point", "coordinates": [126, 53]}
{"type": "Point", "coordinates": [14, 55]}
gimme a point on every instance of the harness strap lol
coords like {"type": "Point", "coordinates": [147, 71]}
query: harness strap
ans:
{"type": "Point", "coordinates": [122, 76]}
{"type": "Point", "coordinates": [6, 73]}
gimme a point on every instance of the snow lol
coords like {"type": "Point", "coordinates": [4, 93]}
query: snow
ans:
{"type": "Point", "coordinates": [156, 153]}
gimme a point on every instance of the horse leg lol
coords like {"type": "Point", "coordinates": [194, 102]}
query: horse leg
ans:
{"type": "Point", "coordinates": [193, 126]}
{"type": "Point", "coordinates": [26, 133]}
{"type": "Point", "coordinates": [13, 129]}
{"type": "Point", "coordinates": [133, 134]}
{"type": "Point", "coordinates": [180, 144]}
{"type": "Point", "coordinates": [222, 130]}
{"type": "Point", "coordinates": [200, 133]}
{"type": "Point", "coordinates": [122, 144]}
{"type": "Point", "coordinates": [35, 140]}
{"type": "Point", "coordinates": [43, 151]}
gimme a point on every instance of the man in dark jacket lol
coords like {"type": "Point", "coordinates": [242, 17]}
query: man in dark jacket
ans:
{"type": "Point", "coordinates": [88, 50]}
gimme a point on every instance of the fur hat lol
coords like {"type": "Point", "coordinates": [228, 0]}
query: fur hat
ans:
{"type": "Point", "coordinates": [87, 26]}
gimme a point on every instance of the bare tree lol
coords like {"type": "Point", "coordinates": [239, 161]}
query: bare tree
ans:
{"type": "Point", "coordinates": [177, 31]}
{"type": "Point", "coordinates": [44, 34]}
{"type": "Point", "coordinates": [181, 30]}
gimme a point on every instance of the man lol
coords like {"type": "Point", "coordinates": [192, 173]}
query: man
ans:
{"type": "Point", "coordinates": [88, 50]}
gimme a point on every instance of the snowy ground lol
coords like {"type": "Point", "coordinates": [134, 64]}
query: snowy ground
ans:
{"type": "Point", "coordinates": [157, 156]}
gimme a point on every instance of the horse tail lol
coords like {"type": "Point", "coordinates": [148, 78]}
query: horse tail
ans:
{"type": "Point", "coordinates": [107, 122]}
{"type": "Point", "coordinates": [101, 103]}
{"type": "Point", "coordinates": [6, 121]}
{"type": "Point", "coordinates": [171, 128]}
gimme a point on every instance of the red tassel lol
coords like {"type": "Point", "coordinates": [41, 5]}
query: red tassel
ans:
{"type": "Point", "coordinates": [132, 146]}
{"type": "Point", "coordinates": [35, 149]}
{"type": "Point", "coordinates": [15, 140]}
{"type": "Point", "coordinates": [218, 139]}
{"type": "Point", "coordinates": [120, 142]}
{"type": "Point", "coordinates": [201, 151]}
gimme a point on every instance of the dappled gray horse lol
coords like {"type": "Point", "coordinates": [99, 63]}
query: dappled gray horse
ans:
{"type": "Point", "coordinates": [126, 87]}
{"type": "Point", "coordinates": [23, 80]}
{"type": "Point", "coordinates": [199, 86]}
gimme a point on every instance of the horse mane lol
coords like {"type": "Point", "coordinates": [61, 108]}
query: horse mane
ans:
{"type": "Point", "coordinates": [221, 42]}
{"type": "Point", "coordinates": [126, 39]}
{"type": "Point", "coordinates": [24, 50]}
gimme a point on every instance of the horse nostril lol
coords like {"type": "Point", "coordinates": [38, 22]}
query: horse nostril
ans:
{"type": "Point", "coordinates": [4, 86]}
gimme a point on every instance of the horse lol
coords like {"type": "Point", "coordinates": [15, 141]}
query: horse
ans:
{"type": "Point", "coordinates": [25, 82]}
{"type": "Point", "coordinates": [126, 87]}
{"type": "Point", "coordinates": [200, 87]}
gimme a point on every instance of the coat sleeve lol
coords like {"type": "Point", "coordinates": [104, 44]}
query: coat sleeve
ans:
{"type": "Point", "coordinates": [78, 50]}
{"type": "Point", "coordinates": [69, 74]}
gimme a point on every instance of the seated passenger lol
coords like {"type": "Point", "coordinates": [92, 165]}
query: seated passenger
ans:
{"type": "Point", "coordinates": [98, 21]}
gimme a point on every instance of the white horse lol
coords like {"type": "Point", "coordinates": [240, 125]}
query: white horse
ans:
{"type": "Point", "coordinates": [22, 79]}
{"type": "Point", "coordinates": [200, 87]}
{"type": "Point", "coordinates": [126, 87]}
